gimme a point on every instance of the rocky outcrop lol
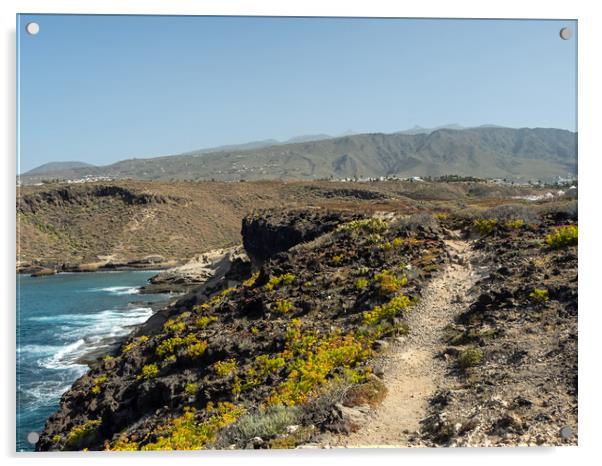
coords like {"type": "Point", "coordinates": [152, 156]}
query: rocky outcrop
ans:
{"type": "Point", "coordinates": [266, 233]}
{"type": "Point", "coordinates": [38, 268]}
{"type": "Point", "coordinates": [43, 272]}
{"type": "Point", "coordinates": [231, 263]}
{"type": "Point", "coordinates": [80, 194]}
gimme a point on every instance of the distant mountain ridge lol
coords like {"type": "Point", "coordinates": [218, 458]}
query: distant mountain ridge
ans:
{"type": "Point", "coordinates": [53, 167]}
{"type": "Point", "coordinates": [486, 151]}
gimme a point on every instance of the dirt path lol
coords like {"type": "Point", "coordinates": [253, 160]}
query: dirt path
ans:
{"type": "Point", "coordinates": [412, 371]}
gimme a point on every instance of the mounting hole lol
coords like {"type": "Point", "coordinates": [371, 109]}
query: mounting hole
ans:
{"type": "Point", "coordinates": [566, 33]}
{"type": "Point", "coordinates": [32, 28]}
{"type": "Point", "coordinates": [33, 438]}
{"type": "Point", "coordinates": [566, 432]}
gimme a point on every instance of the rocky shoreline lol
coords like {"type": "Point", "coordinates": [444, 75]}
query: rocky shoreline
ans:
{"type": "Point", "coordinates": [39, 269]}
{"type": "Point", "coordinates": [203, 267]}
{"type": "Point", "coordinates": [210, 266]}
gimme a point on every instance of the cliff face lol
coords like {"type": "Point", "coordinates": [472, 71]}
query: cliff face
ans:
{"type": "Point", "coordinates": [31, 203]}
{"type": "Point", "coordinates": [268, 232]}
{"type": "Point", "coordinates": [279, 345]}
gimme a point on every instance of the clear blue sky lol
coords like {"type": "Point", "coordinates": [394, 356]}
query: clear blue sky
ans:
{"type": "Point", "coordinates": [104, 88]}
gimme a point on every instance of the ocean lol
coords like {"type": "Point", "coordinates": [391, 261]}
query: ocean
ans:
{"type": "Point", "coordinates": [60, 319]}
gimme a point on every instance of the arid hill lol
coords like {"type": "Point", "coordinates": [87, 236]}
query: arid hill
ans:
{"type": "Point", "coordinates": [62, 226]}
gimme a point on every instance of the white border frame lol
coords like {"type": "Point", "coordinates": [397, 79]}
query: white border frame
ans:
{"type": "Point", "coordinates": [590, 415]}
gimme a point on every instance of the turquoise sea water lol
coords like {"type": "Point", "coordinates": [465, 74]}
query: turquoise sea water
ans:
{"type": "Point", "coordinates": [61, 318]}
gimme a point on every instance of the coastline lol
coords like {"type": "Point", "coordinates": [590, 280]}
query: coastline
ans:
{"type": "Point", "coordinates": [109, 345]}
{"type": "Point", "coordinates": [173, 281]}
{"type": "Point", "coordinates": [41, 269]}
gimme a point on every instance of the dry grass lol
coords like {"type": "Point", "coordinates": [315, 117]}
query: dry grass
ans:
{"type": "Point", "coordinates": [206, 215]}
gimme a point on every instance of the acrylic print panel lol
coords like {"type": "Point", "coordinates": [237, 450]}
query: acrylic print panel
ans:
{"type": "Point", "coordinates": [260, 232]}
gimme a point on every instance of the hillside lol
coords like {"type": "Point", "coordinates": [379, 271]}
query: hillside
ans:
{"type": "Point", "coordinates": [469, 318]}
{"type": "Point", "coordinates": [492, 152]}
{"type": "Point", "coordinates": [95, 224]}
{"type": "Point", "coordinates": [57, 167]}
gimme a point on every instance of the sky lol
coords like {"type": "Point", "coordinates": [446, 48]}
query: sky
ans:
{"type": "Point", "coordinates": [99, 89]}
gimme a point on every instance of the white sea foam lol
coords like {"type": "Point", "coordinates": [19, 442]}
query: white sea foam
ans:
{"type": "Point", "coordinates": [44, 392]}
{"type": "Point", "coordinates": [89, 332]}
{"type": "Point", "coordinates": [119, 290]}
{"type": "Point", "coordinates": [37, 349]}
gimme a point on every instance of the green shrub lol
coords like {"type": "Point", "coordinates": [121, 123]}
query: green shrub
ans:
{"type": "Point", "coordinates": [266, 423]}
{"type": "Point", "coordinates": [397, 242]}
{"type": "Point", "coordinates": [225, 368]}
{"type": "Point", "coordinates": [276, 281]}
{"type": "Point", "coordinates": [361, 283]}
{"type": "Point", "coordinates": [369, 225]}
{"type": "Point", "coordinates": [82, 433]}
{"type": "Point", "coordinates": [191, 389]}
{"type": "Point", "coordinates": [388, 283]}
{"type": "Point", "coordinates": [282, 306]}
{"type": "Point", "coordinates": [204, 321]}
{"type": "Point", "coordinates": [515, 223]}
{"type": "Point", "coordinates": [97, 382]}
{"type": "Point", "coordinates": [150, 371]}
{"type": "Point", "coordinates": [386, 246]}
{"type": "Point", "coordinates": [249, 282]}
{"type": "Point", "coordinates": [169, 345]}
{"type": "Point", "coordinates": [336, 260]}
{"type": "Point", "coordinates": [173, 326]}
{"type": "Point", "coordinates": [539, 295]}
{"type": "Point", "coordinates": [134, 343]}
{"type": "Point", "coordinates": [470, 357]}
{"type": "Point", "coordinates": [186, 433]}
{"type": "Point", "coordinates": [562, 237]}
{"type": "Point", "coordinates": [485, 226]}
{"type": "Point", "coordinates": [386, 311]}
{"type": "Point", "coordinates": [196, 350]}
{"type": "Point", "coordinates": [374, 238]}
{"type": "Point", "coordinates": [311, 364]}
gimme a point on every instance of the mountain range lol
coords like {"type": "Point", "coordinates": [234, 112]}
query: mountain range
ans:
{"type": "Point", "coordinates": [485, 151]}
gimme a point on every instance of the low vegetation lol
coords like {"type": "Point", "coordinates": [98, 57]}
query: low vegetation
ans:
{"type": "Point", "coordinates": [82, 434]}
{"type": "Point", "coordinates": [470, 357]}
{"type": "Point", "coordinates": [388, 282]}
{"type": "Point", "coordinates": [279, 280]}
{"type": "Point", "coordinates": [97, 383]}
{"type": "Point", "coordinates": [387, 311]}
{"type": "Point", "coordinates": [283, 306]}
{"type": "Point", "coordinates": [562, 237]}
{"type": "Point", "coordinates": [150, 371]}
{"type": "Point", "coordinates": [371, 392]}
{"type": "Point", "coordinates": [485, 226]}
{"type": "Point", "coordinates": [539, 295]}
{"type": "Point", "coordinates": [187, 433]}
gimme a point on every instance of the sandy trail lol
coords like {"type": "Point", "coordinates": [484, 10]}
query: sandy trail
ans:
{"type": "Point", "coordinates": [413, 373]}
